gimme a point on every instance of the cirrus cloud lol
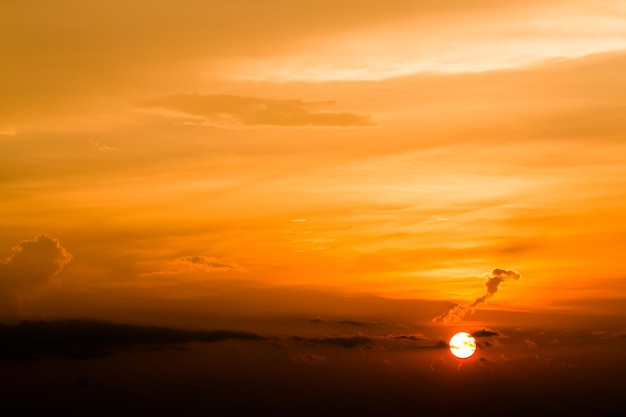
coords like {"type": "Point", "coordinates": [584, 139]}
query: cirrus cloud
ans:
{"type": "Point", "coordinates": [236, 111]}
{"type": "Point", "coordinates": [197, 263]}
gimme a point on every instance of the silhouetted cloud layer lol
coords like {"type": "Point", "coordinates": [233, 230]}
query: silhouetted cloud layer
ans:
{"type": "Point", "coordinates": [414, 337]}
{"type": "Point", "coordinates": [227, 110]}
{"type": "Point", "coordinates": [349, 322]}
{"type": "Point", "coordinates": [492, 282]}
{"type": "Point", "coordinates": [85, 339]}
{"type": "Point", "coordinates": [354, 323]}
{"type": "Point", "coordinates": [346, 342]}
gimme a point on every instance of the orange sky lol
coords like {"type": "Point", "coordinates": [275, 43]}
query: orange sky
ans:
{"type": "Point", "coordinates": [174, 154]}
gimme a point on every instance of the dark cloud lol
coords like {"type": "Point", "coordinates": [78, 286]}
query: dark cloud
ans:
{"type": "Point", "coordinates": [485, 333]}
{"type": "Point", "coordinates": [359, 323]}
{"type": "Point", "coordinates": [34, 262]}
{"type": "Point", "coordinates": [413, 342]}
{"type": "Point", "coordinates": [31, 266]}
{"type": "Point", "coordinates": [415, 337]}
{"type": "Point", "coordinates": [353, 323]}
{"type": "Point", "coordinates": [492, 281]}
{"type": "Point", "coordinates": [85, 339]}
{"type": "Point", "coordinates": [440, 344]}
{"type": "Point", "coordinates": [226, 110]}
{"type": "Point", "coordinates": [346, 342]}
{"type": "Point", "coordinates": [308, 358]}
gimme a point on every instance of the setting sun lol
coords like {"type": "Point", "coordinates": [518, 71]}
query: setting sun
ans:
{"type": "Point", "coordinates": [462, 345]}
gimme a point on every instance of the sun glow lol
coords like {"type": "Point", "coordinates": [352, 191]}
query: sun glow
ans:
{"type": "Point", "coordinates": [462, 345]}
{"type": "Point", "coordinates": [400, 49]}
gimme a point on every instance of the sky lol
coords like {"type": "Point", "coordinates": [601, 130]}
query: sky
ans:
{"type": "Point", "coordinates": [321, 170]}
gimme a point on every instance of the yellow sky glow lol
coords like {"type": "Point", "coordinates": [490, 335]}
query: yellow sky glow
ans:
{"type": "Point", "coordinates": [466, 41]}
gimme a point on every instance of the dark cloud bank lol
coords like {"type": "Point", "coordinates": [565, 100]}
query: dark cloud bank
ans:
{"type": "Point", "coordinates": [87, 339]}
{"type": "Point", "coordinates": [75, 367]}
{"type": "Point", "coordinates": [346, 342]}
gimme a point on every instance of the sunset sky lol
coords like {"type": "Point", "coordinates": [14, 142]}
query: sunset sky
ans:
{"type": "Point", "coordinates": [256, 165]}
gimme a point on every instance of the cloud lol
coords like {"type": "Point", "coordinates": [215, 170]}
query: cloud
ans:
{"type": "Point", "coordinates": [354, 323]}
{"type": "Point", "coordinates": [414, 337]}
{"type": "Point", "coordinates": [308, 358]}
{"type": "Point", "coordinates": [348, 342]}
{"type": "Point", "coordinates": [235, 111]}
{"type": "Point", "coordinates": [391, 341]}
{"type": "Point", "coordinates": [85, 339]}
{"type": "Point", "coordinates": [359, 323]}
{"type": "Point", "coordinates": [100, 52]}
{"type": "Point", "coordinates": [32, 265]}
{"type": "Point", "coordinates": [100, 147]}
{"type": "Point", "coordinates": [492, 282]}
{"type": "Point", "coordinates": [8, 132]}
{"type": "Point", "coordinates": [530, 344]}
{"type": "Point", "coordinates": [440, 344]}
{"type": "Point", "coordinates": [485, 333]}
{"type": "Point", "coordinates": [197, 263]}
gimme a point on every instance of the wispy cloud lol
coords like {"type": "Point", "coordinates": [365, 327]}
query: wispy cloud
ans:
{"type": "Point", "coordinates": [8, 132]}
{"type": "Point", "coordinates": [235, 111]}
{"type": "Point", "coordinates": [101, 147]}
{"type": "Point", "coordinates": [197, 263]}
{"type": "Point", "coordinates": [492, 281]}
{"type": "Point", "coordinates": [348, 342]}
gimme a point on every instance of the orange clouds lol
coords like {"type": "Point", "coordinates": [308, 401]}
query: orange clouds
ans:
{"type": "Point", "coordinates": [34, 262]}
{"type": "Point", "coordinates": [492, 281]}
{"type": "Point", "coordinates": [31, 266]}
{"type": "Point", "coordinates": [197, 263]}
{"type": "Point", "coordinates": [133, 128]}
{"type": "Point", "coordinates": [234, 111]}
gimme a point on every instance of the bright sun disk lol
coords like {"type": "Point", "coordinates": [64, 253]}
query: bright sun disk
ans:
{"type": "Point", "coordinates": [462, 345]}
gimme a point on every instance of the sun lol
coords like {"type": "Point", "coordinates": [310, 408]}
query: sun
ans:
{"type": "Point", "coordinates": [462, 345]}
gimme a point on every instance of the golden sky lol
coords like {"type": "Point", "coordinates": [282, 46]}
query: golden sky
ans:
{"type": "Point", "coordinates": [245, 157]}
